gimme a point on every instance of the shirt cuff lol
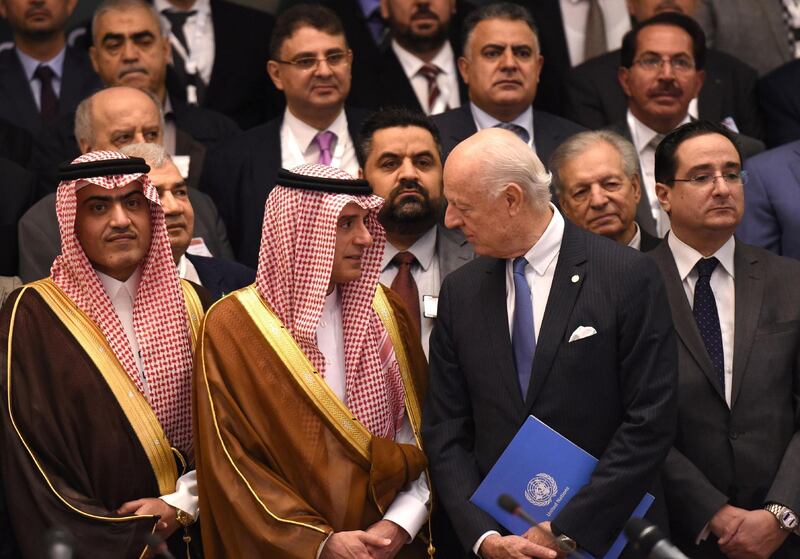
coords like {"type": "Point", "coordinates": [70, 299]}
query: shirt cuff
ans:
{"type": "Point", "coordinates": [703, 535]}
{"type": "Point", "coordinates": [477, 546]}
{"type": "Point", "coordinates": [409, 510]}
{"type": "Point", "coordinates": [185, 497]}
{"type": "Point", "coordinates": [322, 545]}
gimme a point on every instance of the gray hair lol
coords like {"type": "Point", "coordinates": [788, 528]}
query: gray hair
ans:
{"type": "Point", "coordinates": [514, 161]}
{"type": "Point", "coordinates": [497, 10]}
{"type": "Point", "coordinates": [121, 6]}
{"type": "Point", "coordinates": [84, 125]}
{"type": "Point", "coordinates": [576, 145]}
{"type": "Point", "coordinates": [153, 154]}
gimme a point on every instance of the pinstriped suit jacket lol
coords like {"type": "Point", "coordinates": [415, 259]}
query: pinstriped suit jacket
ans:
{"type": "Point", "coordinates": [613, 393]}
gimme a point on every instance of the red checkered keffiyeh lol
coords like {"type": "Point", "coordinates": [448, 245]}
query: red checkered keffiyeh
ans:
{"type": "Point", "coordinates": [160, 320]}
{"type": "Point", "coordinates": [294, 270]}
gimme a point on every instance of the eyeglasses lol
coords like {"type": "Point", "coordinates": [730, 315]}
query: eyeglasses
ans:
{"type": "Point", "coordinates": [654, 63]}
{"type": "Point", "coordinates": [733, 178]}
{"type": "Point", "coordinates": [307, 63]}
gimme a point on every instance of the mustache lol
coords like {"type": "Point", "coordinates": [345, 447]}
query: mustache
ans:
{"type": "Point", "coordinates": [405, 186]}
{"type": "Point", "coordinates": [132, 70]}
{"type": "Point", "coordinates": [667, 88]}
{"type": "Point", "coordinates": [424, 11]}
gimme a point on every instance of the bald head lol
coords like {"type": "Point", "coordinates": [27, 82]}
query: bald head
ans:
{"type": "Point", "coordinates": [118, 116]}
{"type": "Point", "coordinates": [498, 193]}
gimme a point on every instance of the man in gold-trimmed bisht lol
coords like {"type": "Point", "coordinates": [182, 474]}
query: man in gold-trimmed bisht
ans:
{"type": "Point", "coordinates": [308, 387]}
{"type": "Point", "coordinates": [96, 377]}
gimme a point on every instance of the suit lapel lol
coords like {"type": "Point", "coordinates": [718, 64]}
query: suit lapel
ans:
{"type": "Point", "coordinates": [749, 293]}
{"type": "Point", "coordinates": [563, 294]}
{"type": "Point", "coordinates": [496, 316]}
{"type": "Point", "coordinates": [466, 126]}
{"type": "Point", "coordinates": [682, 316]}
{"type": "Point", "coordinates": [393, 80]}
{"type": "Point", "coordinates": [18, 91]}
{"type": "Point", "coordinates": [452, 250]}
{"type": "Point", "coordinates": [71, 84]}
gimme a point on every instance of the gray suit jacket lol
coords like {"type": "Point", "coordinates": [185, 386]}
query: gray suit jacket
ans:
{"type": "Point", "coordinates": [751, 30]}
{"type": "Point", "coordinates": [452, 250]}
{"type": "Point", "coordinates": [747, 455]}
{"type": "Point", "coordinates": [40, 240]}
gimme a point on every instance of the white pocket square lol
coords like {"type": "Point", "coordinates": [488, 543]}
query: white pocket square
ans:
{"type": "Point", "coordinates": [582, 332]}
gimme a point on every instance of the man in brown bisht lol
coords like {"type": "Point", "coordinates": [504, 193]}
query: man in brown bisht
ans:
{"type": "Point", "coordinates": [96, 378]}
{"type": "Point", "coordinates": [308, 389]}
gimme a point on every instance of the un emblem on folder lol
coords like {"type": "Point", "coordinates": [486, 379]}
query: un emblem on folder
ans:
{"type": "Point", "coordinates": [541, 489]}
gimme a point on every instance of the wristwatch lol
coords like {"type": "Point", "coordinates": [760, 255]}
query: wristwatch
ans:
{"type": "Point", "coordinates": [787, 518]}
{"type": "Point", "coordinates": [565, 543]}
{"type": "Point", "coordinates": [184, 518]}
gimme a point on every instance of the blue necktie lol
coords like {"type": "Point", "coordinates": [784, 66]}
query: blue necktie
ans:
{"type": "Point", "coordinates": [707, 318]}
{"type": "Point", "coordinates": [523, 336]}
{"type": "Point", "coordinates": [516, 129]}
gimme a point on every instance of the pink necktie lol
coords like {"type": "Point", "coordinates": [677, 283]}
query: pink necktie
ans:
{"type": "Point", "coordinates": [324, 141]}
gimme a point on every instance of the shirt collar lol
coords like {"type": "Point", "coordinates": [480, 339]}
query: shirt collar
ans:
{"type": "Point", "coordinates": [643, 134]}
{"type": "Point", "coordinates": [114, 288]}
{"type": "Point", "coordinates": [202, 7]}
{"type": "Point", "coordinates": [636, 240]}
{"type": "Point", "coordinates": [485, 120]}
{"type": "Point", "coordinates": [541, 254]}
{"type": "Point", "coordinates": [304, 133]}
{"type": "Point", "coordinates": [29, 64]}
{"type": "Point", "coordinates": [686, 257]}
{"type": "Point", "coordinates": [423, 250]}
{"type": "Point", "coordinates": [369, 6]}
{"type": "Point", "coordinates": [444, 59]}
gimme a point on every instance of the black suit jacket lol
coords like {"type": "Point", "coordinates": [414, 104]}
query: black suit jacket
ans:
{"type": "Point", "coordinates": [17, 190]}
{"type": "Point", "coordinates": [387, 85]}
{"type": "Point", "coordinates": [208, 127]}
{"type": "Point", "coordinates": [241, 173]}
{"type": "Point", "coordinates": [648, 241]}
{"type": "Point", "coordinates": [612, 393]}
{"type": "Point", "coordinates": [777, 97]}
{"type": "Point", "coordinates": [594, 98]}
{"type": "Point", "coordinates": [16, 144]}
{"type": "Point", "coordinates": [748, 454]}
{"type": "Point", "coordinates": [553, 44]}
{"type": "Point", "coordinates": [17, 104]}
{"type": "Point", "coordinates": [239, 86]}
{"type": "Point", "coordinates": [548, 130]}
{"type": "Point", "coordinates": [220, 276]}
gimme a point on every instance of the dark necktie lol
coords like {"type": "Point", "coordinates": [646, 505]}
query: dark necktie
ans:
{"type": "Point", "coordinates": [186, 72]}
{"type": "Point", "coordinates": [430, 72]}
{"type": "Point", "coordinates": [596, 43]}
{"type": "Point", "coordinates": [516, 129]}
{"type": "Point", "coordinates": [707, 318]}
{"type": "Point", "coordinates": [176, 22]}
{"type": "Point", "coordinates": [49, 101]}
{"type": "Point", "coordinates": [405, 286]}
{"type": "Point", "coordinates": [523, 335]}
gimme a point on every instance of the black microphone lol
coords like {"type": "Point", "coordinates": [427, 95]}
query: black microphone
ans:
{"type": "Point", "coordinates": [648, 541]}
{"type": "Point", "coordinates": [154, 541]}
{"type": "Point", "coordinates": [511, 506]}
{"type": "Point", "coordinates": [58, 543]}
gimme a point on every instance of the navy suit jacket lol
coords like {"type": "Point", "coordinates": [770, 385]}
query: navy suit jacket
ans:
{"type": "Point", "coordinates": [17, 189]}
{"type": "Point", "coordinates": [613, 393]}
{"type": "Point", "coordinates": [548, 130]}
{"type": "Point", "coordinates": [220, 276]}
{"type": "Point", "coordinates": [772, 201]}
{"type": "Point", "coordinates": [777, 98]}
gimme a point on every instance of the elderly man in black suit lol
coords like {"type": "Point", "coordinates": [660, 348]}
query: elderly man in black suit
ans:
{"type": "Point", "coordinates": [41, 79]}
{"type": "Point", "coordinates": [596, 179]}
{"type": "Point", "coordinates": [732, 478]}
{"type": "Point", "coordinates": [551, 321]}
{"type": "Point", "coordinates": [501, 65]}
{"type": "Point", "coordinates": [594, 98]}
{"type": "Point", "coordinates": [310, 63]}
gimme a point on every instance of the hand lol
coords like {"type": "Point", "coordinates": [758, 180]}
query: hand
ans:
{"type": "Point", "coordinates": [352, 545]}
{"type": "Point", "coordinates": [726, 519]}
{"type": "Point", "coordinates": [757, 537]}
{"type": "Point", "coordinates": [167, 522]}
{"type": "Point", "coordinates": [513, 547]}
{"type": "Point", "coordinates": [390, 530]}
{"type": "Point", "coordinates": [542, 534]}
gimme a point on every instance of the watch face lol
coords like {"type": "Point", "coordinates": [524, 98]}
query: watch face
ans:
{"type": "Point", "coordinates": [789, 519]}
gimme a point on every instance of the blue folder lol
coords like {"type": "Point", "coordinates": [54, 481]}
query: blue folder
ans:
{"type": "Point", "coordinates": [542, 470]}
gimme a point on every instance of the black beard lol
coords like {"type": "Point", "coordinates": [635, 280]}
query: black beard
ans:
{"type": "Point", "coordinates": [410, 216]}
{"type": "Point", "coordinates": [421, 44]}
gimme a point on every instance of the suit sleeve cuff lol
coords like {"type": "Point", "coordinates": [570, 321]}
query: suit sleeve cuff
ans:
{"type": "Point", "coordinates": [476, 548]}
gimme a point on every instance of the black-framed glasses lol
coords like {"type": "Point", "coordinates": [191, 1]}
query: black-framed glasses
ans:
{"type": "Point", "coordinates": [307, 63]}
{"type": "Point", "coordinates": [704, 179]}
{"type": "Point", "coordinates": [654, 63]}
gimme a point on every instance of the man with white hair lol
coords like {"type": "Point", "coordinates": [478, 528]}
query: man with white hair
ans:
{"type": "Point", "coordinates": [554, 322]}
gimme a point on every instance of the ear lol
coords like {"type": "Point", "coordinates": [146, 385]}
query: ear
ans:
{"type": "Point", "coordinates": [637, 188]}
{"type": "Point", "coordinates": [85, 146]}
{"type": "Point", "coordinates": [514, 197]}
{"type": "Point", "coordinates": [93, 54]}
{"type": "Point", "coordinates": [701, 79]}
{"type": "Point", "coordinates": [70, 6]}
{"type": "Point", "coordinates": [385, 12]}
{"type": "Point", "coordinates": [360, 173]}
{"type": "Point", "coordinates": [463, 69]}
{"type": "Point", "coordinates": [274, 72]}
{"type": "Point", "coordinates": [539, 67]}
{"type": "Point", "coordinates": [664, 194]}
{"type": "Point", "coordinates": [623, 74]}
{"type": "Point", "coordinates": [2, 9]}
{"type": "Point", "coordinates": [167, 49]}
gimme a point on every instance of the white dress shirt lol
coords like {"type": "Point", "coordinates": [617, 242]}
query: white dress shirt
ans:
{"type": "Point", "coordinates": [574, 13]}
{"type": "Point", "coordinates": [425, 273]}
{"type": "Point", "coordinates": [485, 120]}
{"type": "Point", "coordinates": [187, 271]}
{"type": "Point", "coordinates": [299, 148]}
{"type": "Point", "coordinates": [123, 296]}
{"type": "Point", "coordinates": [642, 136]}
{"type": "Point", "coordinates": [723, 287]}
{"type": "Point", "coordinates": [29, 66]}
{"type": "Point", "coordinates": [447, 80]}
{"type": "Point", "coordinates": [199, 33]}
{"type": "Point", "coordinates": [542, 259]}
{"type": "Point", "coordinates": [409, 509]}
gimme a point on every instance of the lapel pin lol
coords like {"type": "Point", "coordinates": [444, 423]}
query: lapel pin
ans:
{"type": "Point", "coordinates": [576, 278]}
